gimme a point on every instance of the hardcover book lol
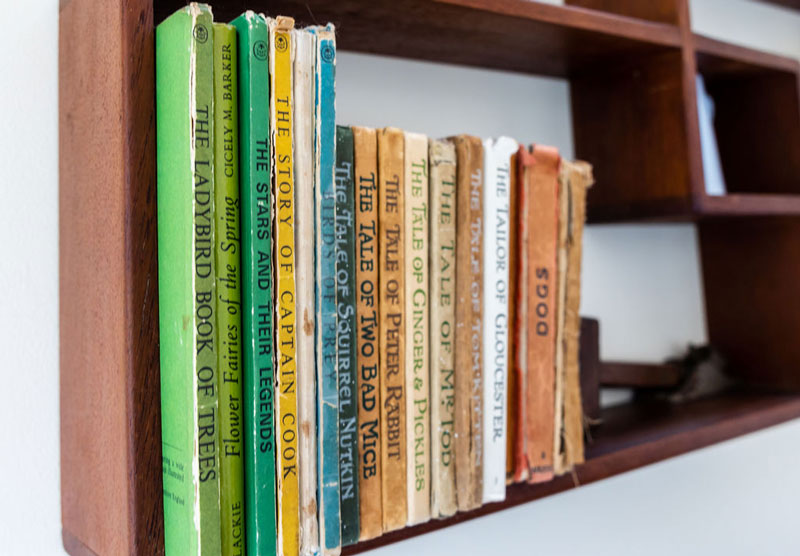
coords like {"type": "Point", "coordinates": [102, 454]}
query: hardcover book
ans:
{"type": "Point", "coordinates": [325, 275]}
{"type": "Point", "coordinates": [539, 170]}
{"type": "Point", "coordinates": [303, 81]}
{"type": "Point", "coordinates": [469, 322]}
{"type": "Point", "coordinates": [229, 295]}
{"type": "Point", "coordinates": [418, 438]}
{"type": "Point", "coordinates": [496, 210]}
{"type": "Point", "coordinates": [442, 155]}
{"type": "Point", "coordinates": [365, 155]}
{"type": "Point", "coordinates": [392, 327]}
{"type": "Point", "coordinates": [575, 180]}
{"type": "Point", "coordinates": [346, 334]}
{"type": "Point", "coordinates": [281, 104]}
{"type": "Point", "coordinates": [257, 284]}
{"type": "Point", "coordinates": [186, 281]}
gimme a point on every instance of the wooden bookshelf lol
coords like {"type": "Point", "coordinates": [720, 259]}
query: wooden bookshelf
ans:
{"type": "Point", "coordinates": [631, 67]}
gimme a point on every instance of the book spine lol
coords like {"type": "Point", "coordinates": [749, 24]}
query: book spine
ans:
{"type": "Point", "coordinates": [346, 334]}
{"type": "Point", "coordinates": [469, 323]}
{"type": "Point", "coordinates": [562, 233]}
{"type": "Point", "coordinates": [520, 365]}
{"type": "Point", "coordinates": [365, 155]}
{"type": "Point", "coordinates": [392, 327]}
{"type": "Point", "coordinates": [496, 194]}
{"type": "Point", "coordinates": [577, 177]}
{"type": "Point", "coordinates": [512, 414]}
{"type": "Point", "coordinates": [303, 77]}
{"type": "Point", "coordinates": [442, 156]}
{"type": "Point", "coordinates": [541, 176]}
{"type": "Point", "coordinates": [418, 439]}
{"type": "Point", "coordinates": [257, 285]}
{"type": "Point", "coordinates": [285, 337]}
{"type": "Point", "coordinates": [188, 320]}
{"type": "Point", "coordinates": [325, 272]}
{"type": "Point", "coordinates": [229, 293]}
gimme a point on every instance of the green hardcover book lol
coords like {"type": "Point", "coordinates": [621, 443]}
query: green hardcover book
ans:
{"type": "Point", "coordinates": [229, 289]}
{"type": "Point", "coordinates": [187, 312]}
{"type": "Point", "coordinates": [257, 285]}
{"type": "Point", "coordinates": [346, 333]}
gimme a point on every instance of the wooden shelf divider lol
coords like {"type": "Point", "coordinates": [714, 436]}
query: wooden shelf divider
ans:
{"type": "Point", "coordinates": [631, 68]}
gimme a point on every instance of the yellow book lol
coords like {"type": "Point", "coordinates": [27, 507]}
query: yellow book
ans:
{"type": "Point", "coordinates": [280, 65]}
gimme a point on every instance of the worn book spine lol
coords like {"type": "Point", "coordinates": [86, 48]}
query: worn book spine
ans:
{"type": "Point", "coordinates": [496, 210]}
{"type": "Point", "coordinates": [520, 332]}
{"type": "Point", "coordinates": [576, 177]}
{"type": "Point", "coordinates": [325, 275]}
{"type": "Point", "coordinates": [418, 438]}
{"type": "Point", "coordinates": [469, 322]}
{"type": "Point", "coordinates": [281, 105]}
{"type": "Point", "coordinates": [541, 167]}
{"type": "Point", "coordinates": [392, 327]}
{"type": "Point", "coordinates": [365, 157]}
{"type": "Point", "coordinates": [346, 334]}
{"type": "Point", "coordinates": [229, 293]}
{"type": "Point", "coordinates": [512, 414]}
{"type": "Point", "coordinates": [303, 83]}
{"type": "Point", "coordinates": [442, 156]}
{"type": "Point", "coordinates": [187, 292]}
{"type": "Point", "coordinates": [559, 466]}
{"type": "Point", "coordinates": [257, 285]}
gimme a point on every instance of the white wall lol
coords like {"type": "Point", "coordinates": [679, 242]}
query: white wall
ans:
{"type": "Point", "coordinates": [642, 281]}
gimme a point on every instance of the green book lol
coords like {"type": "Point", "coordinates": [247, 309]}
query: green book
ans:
{"type": "Point", "coordinates": [186, 281]}
{"type": "Point", "coordinates": [229, 289]}
{"type": "Point", "coordinates": [257, 285]}
{"type": "Point", "coordinates": [346, 333]}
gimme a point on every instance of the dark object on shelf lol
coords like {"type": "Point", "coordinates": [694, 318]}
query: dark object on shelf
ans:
{"type": "Point", "coordinates": [632, 73]}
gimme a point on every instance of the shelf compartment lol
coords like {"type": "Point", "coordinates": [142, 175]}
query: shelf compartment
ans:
{"type": "Point", "coordinates": [757, 123]}
{"type": "Point", "coordinates": [632, 436]}
{"type": "Point", "coordinates": [515, 35]}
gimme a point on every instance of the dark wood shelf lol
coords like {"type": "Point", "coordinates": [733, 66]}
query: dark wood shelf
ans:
{"type": "Point", "coordinates": [632, 436]}
{"type": "Point", "coordinates": [631, 67]}
{"type": "Point", "coordinates": [514, 35]}
{"type": "Point", "coordinates": [785, 3]}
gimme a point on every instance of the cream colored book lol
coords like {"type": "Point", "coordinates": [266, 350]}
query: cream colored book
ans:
{"type": "Point", "coordinates": [496, 231]}
{"type": "Point", "coordinates": [418, 437]}
{"type": "Point", "coordinates": [442, 156]}
{"type": "Point", "coordinates": [303, 88]}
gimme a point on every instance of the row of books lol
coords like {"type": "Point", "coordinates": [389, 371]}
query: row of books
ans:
{"type": "Point", "coordinates": [360, 329]}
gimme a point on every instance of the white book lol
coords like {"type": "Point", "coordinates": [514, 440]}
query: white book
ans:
{"type": "Point", "coordinates": [303, 82]}
{"type": "Point", "coordinates": [496, 194]}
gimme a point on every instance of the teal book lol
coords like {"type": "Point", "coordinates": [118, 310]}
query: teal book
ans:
{"type": "Point", "coordinates": [346, 334]}
{"type": "Point", "coordinates": [186, 281]}
{"type": "Point", "coordinates": [326, 292]}
{"type": "Point", "coordinates": [229, 289]}
{"type": "Point", "coordinates": [257, 285]}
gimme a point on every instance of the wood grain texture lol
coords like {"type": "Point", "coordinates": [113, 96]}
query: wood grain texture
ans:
{"type": "Point", "coordinates": [663, 11]}
{"type": "Point", "coordinates": [750, 271]}
{"type": "Point", "coordinates": [110, 414]}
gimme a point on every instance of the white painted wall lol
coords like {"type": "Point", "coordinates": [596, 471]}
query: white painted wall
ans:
{"type": "Point", "coordinates": [643, 282]}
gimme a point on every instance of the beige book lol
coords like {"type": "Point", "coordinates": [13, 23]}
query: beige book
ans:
{"type": "Point", "coordinates": [391, 288]}
{"type": "Point", "coordinates": [303, 83]}
{"type": "Point", "coordinates": [442, 156]}
{"type": "Point", "coordinates": [576, 177]}
{"type": "Point", "coordinates": [469, 320]}
{"type": "Point", "coordinates": [418, 437]}
{"type": "Point", "coordinates": [365, 146]}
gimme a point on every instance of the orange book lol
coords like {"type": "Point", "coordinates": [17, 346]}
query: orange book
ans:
{"type": "Point", "coordinates": [539, 170]}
